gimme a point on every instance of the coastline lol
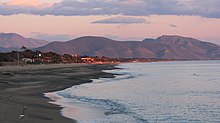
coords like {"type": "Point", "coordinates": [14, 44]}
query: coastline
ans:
{"type": "Point", "coordinates": [120, 103]}
{"type": "Point", "coordinates": [22, 89]}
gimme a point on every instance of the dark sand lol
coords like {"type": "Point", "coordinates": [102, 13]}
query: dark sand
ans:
{"type": "Point", "coordinates": [25, 87]}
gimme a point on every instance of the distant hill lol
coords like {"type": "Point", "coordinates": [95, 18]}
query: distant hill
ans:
{"type": "Point", "coordinates": [164, 47]}
{"type": "Point", "coordinates": [9, 41]}
{"type": "Point", "coordinates": [3, 49]}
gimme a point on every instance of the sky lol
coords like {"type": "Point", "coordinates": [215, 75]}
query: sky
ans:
{"type": "Point", "coordinates": [62, 20]}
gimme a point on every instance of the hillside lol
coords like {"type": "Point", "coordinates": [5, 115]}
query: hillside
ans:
{"type": "Point", "coordinates": [164, 47]}
{"type": "Point", "coordinates": [10, 41]}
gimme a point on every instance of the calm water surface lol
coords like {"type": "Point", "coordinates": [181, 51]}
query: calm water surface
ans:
{"type": "Point", "coordinates": [180, 92]}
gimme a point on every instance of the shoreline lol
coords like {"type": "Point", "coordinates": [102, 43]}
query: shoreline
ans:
{"type": "Point", "coordinates": [23, 88]}
{"type": "Point", "coordinates": [78, 112]}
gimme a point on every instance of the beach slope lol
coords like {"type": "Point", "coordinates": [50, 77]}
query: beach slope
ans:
{"type": "Point", "coordinates": [22, 90]}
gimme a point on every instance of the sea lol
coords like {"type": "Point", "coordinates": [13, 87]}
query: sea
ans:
{"type": "Point", "coordinates": [152, 92]}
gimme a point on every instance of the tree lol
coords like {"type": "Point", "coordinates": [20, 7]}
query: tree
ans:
{"type": "Point", "coordinates": [24, 48]}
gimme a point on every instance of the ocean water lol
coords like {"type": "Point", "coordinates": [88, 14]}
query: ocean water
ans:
{"type": "Point", "coordinates": [166, 92]}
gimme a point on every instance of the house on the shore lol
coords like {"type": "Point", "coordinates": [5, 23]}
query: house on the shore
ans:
{"type": "Point", "coordinates": [27, 60]}
{"type": "Point", "coordinates": [88, 59]}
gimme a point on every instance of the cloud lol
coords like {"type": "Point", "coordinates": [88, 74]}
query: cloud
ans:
{"type": "Point", "coordinates": [173, 25]}
{"type": "Point", "coordinates": [204, 8]}
{"type": "Point", "coordinates": [24, 3]}
{"type": "Point", "coordinates": [50, 37]}
{"type": "Point", "coordinates": [121, 20]}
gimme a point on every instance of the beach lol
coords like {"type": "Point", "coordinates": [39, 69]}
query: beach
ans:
{"type": "Point", "coordinates": [22, 90]}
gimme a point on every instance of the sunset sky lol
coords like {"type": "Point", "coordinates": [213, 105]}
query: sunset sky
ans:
{"type": "Point", "coordinates": [116, 19]}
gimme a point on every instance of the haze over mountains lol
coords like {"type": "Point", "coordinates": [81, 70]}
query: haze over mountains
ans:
{"type": "Point", "coordinates": [164, 47]}
{"type": "Point", "coordinates": [13, 41]}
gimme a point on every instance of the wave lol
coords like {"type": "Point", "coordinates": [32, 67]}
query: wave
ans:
{"type": "Point", "coordinates": [113, 107]}
{"type": "Point", "coordinates": [120, 74]}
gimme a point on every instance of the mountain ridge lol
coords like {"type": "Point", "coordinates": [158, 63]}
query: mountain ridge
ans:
{"type": "Point", "coordinates": [15, 41]}
{"type": "Point", "coordinates": [163, 47]}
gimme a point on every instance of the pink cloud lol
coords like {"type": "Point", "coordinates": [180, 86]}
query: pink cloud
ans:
{"type": "Point", "coordinates": [28, 3]}
{"type": "Point", "coordinates": [24, 2]}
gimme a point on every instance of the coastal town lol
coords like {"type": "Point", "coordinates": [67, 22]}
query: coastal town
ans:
{"type": "Point", "coordinates": [28, 56]}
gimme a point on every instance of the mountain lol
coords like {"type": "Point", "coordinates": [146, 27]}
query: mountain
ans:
{"type": "Point", "coordinates": [2, 49]}
{"type": "Point", "coordinates": [15, 41]}
{"type": "Point", "coordinates": [164, 47]}
{"type": "Point", "coordinates": [188, 48]}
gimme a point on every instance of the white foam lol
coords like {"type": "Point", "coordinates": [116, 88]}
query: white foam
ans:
{"type": "Point", "coordinates": [80, 112]}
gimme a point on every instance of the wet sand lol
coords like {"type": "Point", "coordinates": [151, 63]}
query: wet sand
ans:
{"type": "Point", "coordinates": [22, 90]}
